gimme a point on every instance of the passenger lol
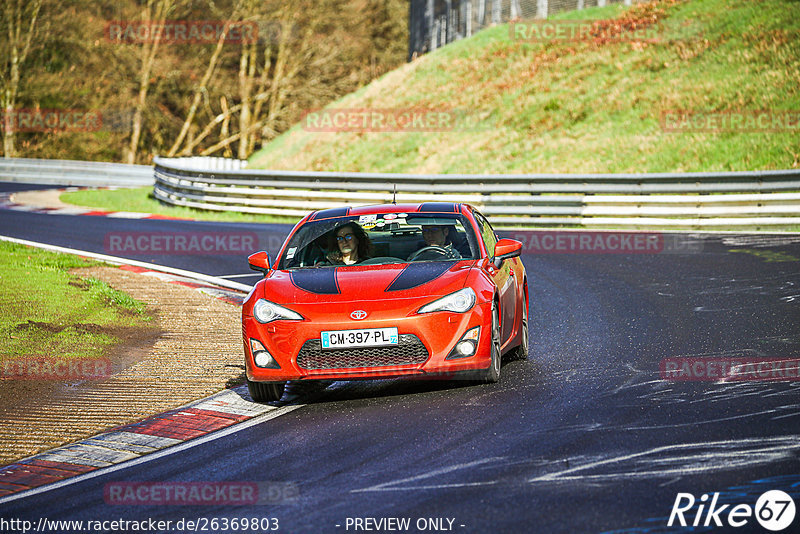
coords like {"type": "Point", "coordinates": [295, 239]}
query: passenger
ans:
{"type": "Point", "coordinates": [349, 244]}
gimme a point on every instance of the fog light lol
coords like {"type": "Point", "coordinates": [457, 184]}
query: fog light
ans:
{"type": "Point", "coordinates": [466, 348]}
{"type": "Point", "coordinates": [261, 357]}
{"type": "Point", "coordinates": [467, 345]}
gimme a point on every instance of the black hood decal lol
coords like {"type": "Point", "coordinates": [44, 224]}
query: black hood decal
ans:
{"type": "Point", "coordinates": [417, 274]}
{"type": "Point", "coordinates": [321, 281]}
{"type": "Point", "coordinates": [444, 207]}
{"type": "Point", "coordinates": [329, 213]}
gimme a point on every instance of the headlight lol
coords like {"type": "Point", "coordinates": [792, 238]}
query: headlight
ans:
{"type": "Point", "coordinates": [266, 311]}
{"type": "Point", "coordinates": [461, 301]}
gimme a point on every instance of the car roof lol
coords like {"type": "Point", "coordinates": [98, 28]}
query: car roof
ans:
{"type": "Point", "coordinates": [424, 207]}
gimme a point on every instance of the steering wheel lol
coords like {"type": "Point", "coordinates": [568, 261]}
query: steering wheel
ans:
{"type": "Point", "coordinates": [433, 248]}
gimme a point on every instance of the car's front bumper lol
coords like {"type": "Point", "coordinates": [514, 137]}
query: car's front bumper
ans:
{"type": "Point", "coordinates": [426, 342]}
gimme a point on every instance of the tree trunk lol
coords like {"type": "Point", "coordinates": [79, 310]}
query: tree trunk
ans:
{"type": "Point", "coordinates": [159, 15]}
{"type": "Point", "coordinates": [20, 45]}
{"type": "Point", "coordinates": [247, 72]}
{"type": "Point", "coordinates": [201, 88]}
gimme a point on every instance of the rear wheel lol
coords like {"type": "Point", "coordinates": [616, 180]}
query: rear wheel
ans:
{"type": "Point", "coordinates": [521, 352]}
{"type": "Point", "coordinates": [492, 374]}
{"type": "Point", "coordinates": [266, 391]}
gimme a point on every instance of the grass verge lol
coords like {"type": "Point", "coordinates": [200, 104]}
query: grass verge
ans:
{"type": "Point", "coordinates": [48, 313]}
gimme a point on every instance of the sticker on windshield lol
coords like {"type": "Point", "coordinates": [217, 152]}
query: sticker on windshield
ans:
{"type": "Point", "coordinates": [389, 216]}
{"type": "Point", "coordinates": [367, 219]}
{"type": "Point", "coordinates": [290, 253]}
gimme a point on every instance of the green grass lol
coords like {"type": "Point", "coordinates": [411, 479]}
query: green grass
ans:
{"type": "Point", "coordinates": [46, 312]}
{"type": "Point", "coordinates": [141, 200]}
{"type": "Point", "coordinates": [581, 106]}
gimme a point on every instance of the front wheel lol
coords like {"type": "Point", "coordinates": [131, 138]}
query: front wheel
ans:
{"type": "Point", "coordinates": [266, 391]}
{"type": "Point", "coordinates": [492, 374]}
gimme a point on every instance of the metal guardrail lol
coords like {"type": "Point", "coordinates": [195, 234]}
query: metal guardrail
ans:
{"type": "Point", "coordinates": [69, 172]}
{"type": "Point", "coordinates": [725, 199]}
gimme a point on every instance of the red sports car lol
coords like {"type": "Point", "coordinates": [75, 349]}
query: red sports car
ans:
{"type": "Point", "coordinates": [385, 291]}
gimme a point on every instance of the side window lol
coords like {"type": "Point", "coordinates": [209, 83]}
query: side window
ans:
{"type": "Point", "coordinates": [489, 237]}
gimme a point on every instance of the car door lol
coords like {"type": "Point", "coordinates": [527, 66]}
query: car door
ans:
{"type": "Point", "coordinates": [503, 278]}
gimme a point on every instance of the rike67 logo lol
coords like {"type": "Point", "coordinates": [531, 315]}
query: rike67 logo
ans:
{"type": "Point", "coordinates": [774, 510]}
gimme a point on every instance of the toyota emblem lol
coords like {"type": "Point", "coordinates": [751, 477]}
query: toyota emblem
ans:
{"type": "Point", "coordinates": [358, 315]}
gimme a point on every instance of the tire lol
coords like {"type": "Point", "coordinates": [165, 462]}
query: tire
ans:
{"type": "Point", "coordinates": [266, 391]}
{"type": "Point", "coordinates": [492, 374]}
{"type": "Point", "coordinates": [521, 352]}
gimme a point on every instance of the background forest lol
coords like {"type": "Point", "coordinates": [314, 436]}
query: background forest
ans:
{"type": "Point", "coordinates": [66, 60]}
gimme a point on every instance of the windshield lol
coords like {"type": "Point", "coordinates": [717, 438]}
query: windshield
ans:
{"type": "Point", "coordinates": [381, 239]}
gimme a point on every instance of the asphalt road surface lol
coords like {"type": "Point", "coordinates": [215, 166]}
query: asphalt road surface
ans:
{"type": "Point", "coordinates": [592, 433]}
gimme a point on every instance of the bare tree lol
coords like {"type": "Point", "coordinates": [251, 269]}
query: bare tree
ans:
{"type": "Point", "coordinates": [280, 64]}
{"type": "Point", "coordinates": [496, 11]}
{"type": "Point", "coordinates": [202, 88]}
{"type": "Point", "coordinates": [19, 18]}
{"type": "Point", "coordinates": [516, 10]}
{"type": "Point", "coordinates": [155, 12]}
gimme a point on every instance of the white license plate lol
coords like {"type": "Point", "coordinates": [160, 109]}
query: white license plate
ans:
{"type": "Point", "coordinates": [367, 337]}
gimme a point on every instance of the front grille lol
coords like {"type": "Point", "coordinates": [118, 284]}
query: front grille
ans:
{"type": "Point", "coordinates": [408, 351]}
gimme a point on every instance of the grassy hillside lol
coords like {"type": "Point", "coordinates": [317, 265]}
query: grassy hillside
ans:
{"type": "Point", "coordinates": [588, 106]}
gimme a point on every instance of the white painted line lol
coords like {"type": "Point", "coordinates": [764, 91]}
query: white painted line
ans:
{"type": "Point", "coordinates": [277, 412]}
{"type": "Point", "coordinates": [249, 275]}
{"type": "Point", "coordinates": [134, 263]}
{"type": "Point", "coordinates": [218, 293]}
{"type": "Point", "coordinates": [127, 215]}
{"type": "Point", "coordinates": [110, 439]}
{"type": "Point", "coordinates": [68, 211]}
{"type": "Point", "coordinates": [98, 453]}
{"type": "Point", "coordinates": [133, 438]}
{"type": "Point", "coordinates": [231, 403]}
{"type": "Point", "coordinates": [117, 446]}
{"type": "Point", "coordinates": [60, 456]}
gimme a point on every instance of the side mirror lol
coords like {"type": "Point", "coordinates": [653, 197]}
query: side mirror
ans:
{"type": "Point", "coordinates": [505, 249]}
{"type": "Point", "coordinates": [259, 262]}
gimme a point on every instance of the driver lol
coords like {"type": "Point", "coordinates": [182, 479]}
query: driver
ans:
{"type": "Point", "coordinates": [438, 236]}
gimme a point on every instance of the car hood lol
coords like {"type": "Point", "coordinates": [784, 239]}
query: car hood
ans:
{"type": "Point", "coordinates": [358, 283]}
